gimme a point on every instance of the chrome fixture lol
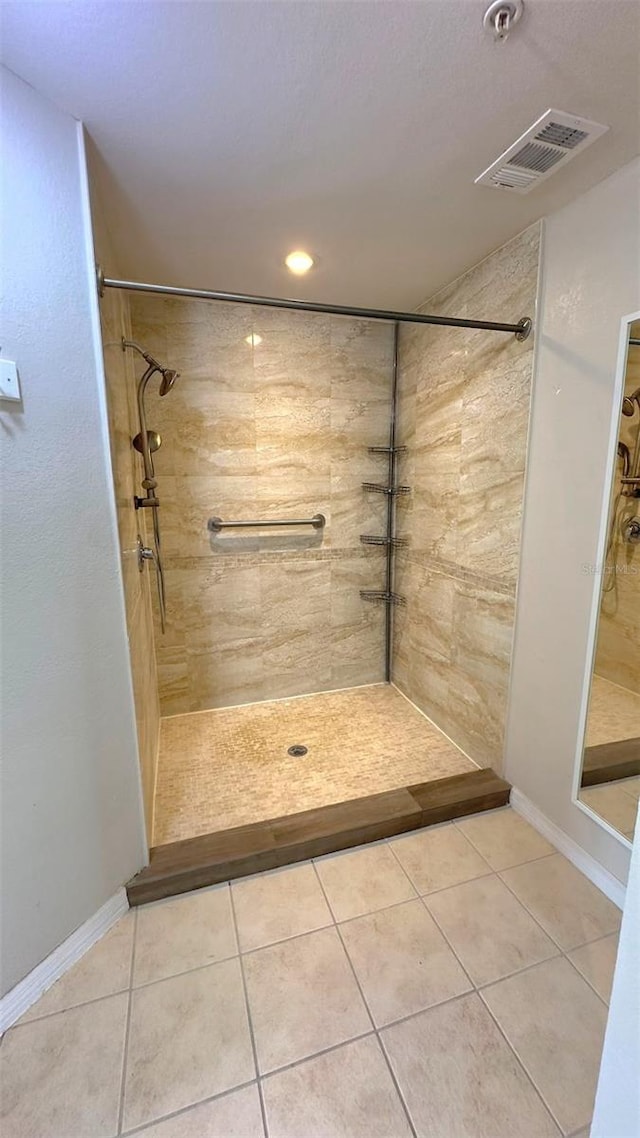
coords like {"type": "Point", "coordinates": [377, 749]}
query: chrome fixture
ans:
{"type": "Point", "coordinates": [154, 442]}
{"type": "Point", "coordinates": [318, 521]}
{"type": "Point", "coordinates": [144, 437]}
{"type": "Point", "coordinates": [521, 330]}
{"type": "Point", "coordinates": [627, 403]}
{"type": "Point", "coordinates": [500, 17]}
{"type": "Point", "coordinates": [632, 531]}
{"type": "Point", "coordinates": [145, 553]}
{"type": "Point", "coordinates": [147, 442]}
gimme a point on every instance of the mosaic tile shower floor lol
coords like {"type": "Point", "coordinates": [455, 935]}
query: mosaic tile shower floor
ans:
{"type": "Point", "coordinates": [230, 766]}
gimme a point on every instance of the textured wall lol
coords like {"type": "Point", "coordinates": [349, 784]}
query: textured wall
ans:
{"type": "Point", "coordinates": [127, 472]}
{"type": "Point", "coordinates": [618, 646]}
{"type": "Point", "coordinates": [463, 414]}
{"type": "Point", "coordinates": [591, 253]}
{"type": "Point", "coordinates": [71, 812]}
{"type": "Point", "coordinates": [275, 429]}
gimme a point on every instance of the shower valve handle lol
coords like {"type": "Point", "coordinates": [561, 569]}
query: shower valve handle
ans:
{"type": "Point", "coordinates": [632, 531]}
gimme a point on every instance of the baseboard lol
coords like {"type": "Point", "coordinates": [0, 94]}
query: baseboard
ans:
{"type": "Point", "coordinates": [19, 999]}
{"type": "Point", "coordinates": [601, 878]}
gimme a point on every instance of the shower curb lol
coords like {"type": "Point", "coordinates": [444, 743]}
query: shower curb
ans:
{"type": "Point", "coordinates": [225, 855]}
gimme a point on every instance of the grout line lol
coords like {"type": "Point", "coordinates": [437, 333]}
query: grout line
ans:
{"type": "Point", "coordinates": [61, 1011]}
{"type": "Point", "coordinates": [316, 1054]}
{"type": "Point", "coordinates": [263, 1109]}
{"type": "Point", "coordinates": [523, 1068]}
{"type": "Point", "coordinates": [185, 1109]}
{"type": "Point", "coordinates": [280, 699]}
{"type": "Point", "coordinates": [127, 1032]}
{"type": "Point", "coordinates": [563, 950]}
{"type": "Point", "coordinates": [370, 1014]}
{"type": "Point", "coordinates": [440, 826]}
{"type": "Point", "coordinates": [586, 978]}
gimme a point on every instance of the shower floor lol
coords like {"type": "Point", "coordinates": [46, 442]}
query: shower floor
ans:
{"type": "Point", "coordinates": [230, 767]}
{"type": "Point", "coordinates": [614, 713]}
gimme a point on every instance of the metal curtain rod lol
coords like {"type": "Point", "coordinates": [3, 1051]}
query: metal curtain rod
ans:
{"type": "Point", "coordinates": [521, 330]}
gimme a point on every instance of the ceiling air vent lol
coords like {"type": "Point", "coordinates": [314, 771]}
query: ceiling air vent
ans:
{"type": "Point", "coordinates": [550, 143]}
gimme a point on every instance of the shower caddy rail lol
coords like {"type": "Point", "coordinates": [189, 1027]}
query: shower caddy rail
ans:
{"type": "Point", "coordinates": [392, 489]}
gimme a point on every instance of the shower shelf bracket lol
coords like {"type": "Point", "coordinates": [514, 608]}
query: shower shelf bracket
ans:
{"type": "Point", "coordinates": [382, 597]}
{"type": "Point", "coordinates": [380, 539]}
{"type": "Point", "coordinates": [378, 488]}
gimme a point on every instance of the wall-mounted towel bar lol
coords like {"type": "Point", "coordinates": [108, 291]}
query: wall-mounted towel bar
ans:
{"type": "Point", "coordinates": [318, 521]}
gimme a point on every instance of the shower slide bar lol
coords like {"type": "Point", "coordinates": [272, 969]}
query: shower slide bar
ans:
{"type": "Point", "coordinates": [521, 330]}
{"type": "Point", "coordinates": [318, 521]}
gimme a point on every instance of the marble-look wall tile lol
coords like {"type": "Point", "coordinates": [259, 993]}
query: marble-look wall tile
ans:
{"type": "Point", "coordinates": [463, 413]}
{"type": "Point", "coordinates": [269, 429]}
{"type": "Point", "coordinates": [120, 377]}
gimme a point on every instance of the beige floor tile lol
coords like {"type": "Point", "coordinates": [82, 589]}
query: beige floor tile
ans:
{"type": "Point", "coordinates": [565, 903]}
{"type": "Point", "coordinates": [104, 970]}
{"type": "Point", "coordinates": [555, 1023]}
{"type": "Point", "coordinates": [489, 930]}
{"type": "Point", "coordinates": [435, 859]}
{"type": "Point", "coordinates": [235, 1115]}
{"type": "Point", "coordinates": [185, 932]}
{"type": "Point", "coordinates": [347, 1093]}
{"type": "Point", "coordinates": [61, 1076]}
{"type": "Point", "coordinates": [504, 838]}
{"type": "Point", "coordinates": [274, 906]}
{"type": "Point", "coordinates": [188, 1039]}
{"type": "Point", "coordinates": [612, 803]}
{"type": "Point", "coordinates": [459, 1078]}
{"type": "Point", "coordinates": [631, 786]}
{"type": "Point", "coordinates": [363, 880]}
{"type": "Point", "coordinates": [596, 962]}
{"type": "Point", "coordinates": [303, 997]}
{"type": "Point", "coordinates": [402, 961]}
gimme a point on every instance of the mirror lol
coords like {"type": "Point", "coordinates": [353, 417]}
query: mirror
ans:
{"type": "Point", "coordinates": [610, 775]}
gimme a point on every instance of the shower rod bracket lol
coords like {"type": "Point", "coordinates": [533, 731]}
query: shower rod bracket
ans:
{"type": "Point", "coordinates": [521, 330]}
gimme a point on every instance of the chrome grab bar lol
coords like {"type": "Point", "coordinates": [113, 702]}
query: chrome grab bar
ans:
{"type": "Point", "coordinates": [318, 521]}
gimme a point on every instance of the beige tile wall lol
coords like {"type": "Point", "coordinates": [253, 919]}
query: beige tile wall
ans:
{"type": "Point", "coordinates": [463, 413]}
{"type": "Point", "coordinates": [273, 429]}
{"type": "Point", "coordinates": [618, 647]}
{"type": "Point", "coordinates": [121, 386]}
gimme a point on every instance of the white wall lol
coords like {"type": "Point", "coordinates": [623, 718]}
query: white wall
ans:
{"type": "Point", "coordinates": [590, 280]}
{"type": "Point", "coordinates": [72, 828]}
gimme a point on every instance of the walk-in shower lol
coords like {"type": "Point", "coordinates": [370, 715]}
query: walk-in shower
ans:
{"type": "Point", "coordinates": [317, 459]}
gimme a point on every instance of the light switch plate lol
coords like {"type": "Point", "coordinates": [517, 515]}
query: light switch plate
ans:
{"type": "Point", "coordinates": [9, 382]}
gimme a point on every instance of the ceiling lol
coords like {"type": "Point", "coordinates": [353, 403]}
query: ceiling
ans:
{"type": "Point", "coordinates": [229, 133]}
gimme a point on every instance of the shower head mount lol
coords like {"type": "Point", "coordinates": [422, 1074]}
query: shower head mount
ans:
{"type": "Point", "coordinates": [169, 376]}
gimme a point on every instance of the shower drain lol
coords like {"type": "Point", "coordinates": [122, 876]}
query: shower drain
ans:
{"type": "Point", "coordinates": [297, 750]}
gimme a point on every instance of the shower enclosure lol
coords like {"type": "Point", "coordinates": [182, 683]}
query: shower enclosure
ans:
{"type": "Point", "coordinates": [287, 520]}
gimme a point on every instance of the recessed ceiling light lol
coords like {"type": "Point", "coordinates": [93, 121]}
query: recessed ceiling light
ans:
{"type": "Point", "coordinates": [253, 339]}
{"type": "Point", "coordinates": [298, 262]}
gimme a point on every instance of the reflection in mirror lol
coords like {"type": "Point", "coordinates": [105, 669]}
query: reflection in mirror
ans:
{"type": "Point", "coordinates": [610, 783]}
